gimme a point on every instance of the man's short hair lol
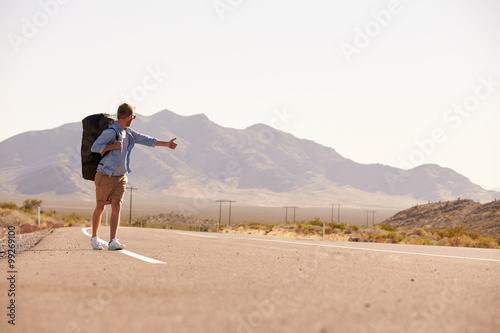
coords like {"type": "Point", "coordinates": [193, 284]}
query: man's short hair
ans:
{"type": "Point", "coordinates": [125, 110]}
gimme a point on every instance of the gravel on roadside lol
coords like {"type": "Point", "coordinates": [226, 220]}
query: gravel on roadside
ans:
{"type": "Point", "coordinates": [24, 242]}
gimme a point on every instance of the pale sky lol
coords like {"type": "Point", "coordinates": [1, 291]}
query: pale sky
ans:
{"type": "Point", "coordinates": [401, 83]}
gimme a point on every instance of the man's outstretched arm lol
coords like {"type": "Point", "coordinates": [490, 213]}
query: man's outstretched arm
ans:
{"type": "Point", "coordinates": [170, 144]}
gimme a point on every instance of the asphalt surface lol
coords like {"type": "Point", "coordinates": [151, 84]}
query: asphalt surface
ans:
{"type": "Point", "coordinates": [205, 282]}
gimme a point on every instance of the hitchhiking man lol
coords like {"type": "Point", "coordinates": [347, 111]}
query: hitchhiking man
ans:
{"type": "Point", "coordinates": [111, 176]}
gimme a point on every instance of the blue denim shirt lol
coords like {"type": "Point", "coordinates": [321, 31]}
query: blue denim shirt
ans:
{"type": "Point", "coordinates": [110, 162]}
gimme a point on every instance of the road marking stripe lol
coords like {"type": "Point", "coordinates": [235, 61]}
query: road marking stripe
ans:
{"type": "Point", "coordinates": [354, 248]}
{"type": "Point", "coordinates": [126, 252]}
{"type": "Point", "coordinates": [377, 250]}
{"type": "Point", "coordinates": [188, 234]}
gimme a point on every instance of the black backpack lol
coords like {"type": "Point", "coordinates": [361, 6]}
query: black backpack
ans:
{"type": "Point", "coordinates": [93, 126]}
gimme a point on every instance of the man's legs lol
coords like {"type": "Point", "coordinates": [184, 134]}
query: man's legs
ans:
{"type": "Point", "coordinates": [116, 206]}
{"type": "Point", "coordinates": [108, 190]}
{"type": "Point", "coordinates": [96, 219]}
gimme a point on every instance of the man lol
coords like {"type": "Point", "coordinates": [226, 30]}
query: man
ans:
{"type": "Point", "coordinates": [111, 175]}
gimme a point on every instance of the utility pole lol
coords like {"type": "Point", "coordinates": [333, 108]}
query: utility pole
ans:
{"type": "Point", "coordinates": [338, 217]}
{"type": "Point", "coordinates": [338, 212]}
{"type": "Point", "coordinates": [331, 220]}
{"type": "Point", "coordinates": [130, 211]}
{"type": "Point", "coordinates": [220, 210]}
{"type": "Point", "coordinates": [286, 212]}
{"type": "Point", "coordinates": [373, 217]}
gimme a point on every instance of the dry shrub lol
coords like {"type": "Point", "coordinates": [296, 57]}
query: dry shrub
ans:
{"type": "Point", "coordinates": [14, 218]}
{"type": "Point", "coordinates": [466, 241]}
{"type": "Point", "coordinates": [360, 237]}
{"type": "Point", "coordinates": [377, 232]}
{"type": "Point", "coordinates": [419, 232]}
{"type": "Point", "coordinates": [51, 223]}
{"type": "Point", "coordinates": [27, 229]}
{"type": "Point", "coordinates": [415, 240]}
{"type": "Point", "coordinates": [443, 241]}
{"type": "Point", "coordinates": [462, 241]}
{"type": "Point", "coordinates": [25, 223]}
{"type": "Point", "coordinates": [486, 243]}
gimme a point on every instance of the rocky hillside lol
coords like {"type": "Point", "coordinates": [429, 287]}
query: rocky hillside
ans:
{"type": "Point", "coordinates": [475, 217]}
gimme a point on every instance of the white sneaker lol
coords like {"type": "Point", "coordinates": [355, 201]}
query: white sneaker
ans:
{"type": "Point", "coordinates": [115, 245]}
{"type": "Point", "coordinates": [96, 245]}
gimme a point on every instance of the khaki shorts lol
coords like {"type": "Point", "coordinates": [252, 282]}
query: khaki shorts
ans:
{"type": "Point", "coordinates": [107, 188]}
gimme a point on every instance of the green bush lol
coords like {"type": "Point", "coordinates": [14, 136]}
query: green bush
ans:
{"type": "Point", "coordinates": [341, 226]}
{"type": "Point", "coordinates": [9, 205]}
{"type": "Point", "coordinates": [317, 222]}
{"type": "Point", "coordinates": [263, 226]}
{"type": "Point", "coordinates": [31, 204]}
{"type": "Point", "coordinates": [387, 227]}
{"type": "Point", "coordinates": [427, 241]}
{"type": "Point", "coordinates": [474, 235]}
{"type": "Point", "coordinates": [71, 219]}
{"type": "Point", "coordinates": [457, 231]}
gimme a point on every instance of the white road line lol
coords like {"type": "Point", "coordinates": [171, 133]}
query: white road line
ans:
{"type": "Point", "coordinates": [355, 248]}
{"type": "Point", "coordinates": [378, 250]}
{"type": "Point", "coordinates": [126, 252]}
{"type": "Point", "coordinates": [188, 234]}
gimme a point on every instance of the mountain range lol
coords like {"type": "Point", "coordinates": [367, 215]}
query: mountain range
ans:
{"type": "Point", "coordinates": [259, 165]}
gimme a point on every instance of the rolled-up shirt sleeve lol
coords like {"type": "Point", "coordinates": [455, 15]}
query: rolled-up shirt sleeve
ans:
{"type": "Point", "coordinates": [143, 139]}
{"type": "Point", "coordinates": [107, 137]}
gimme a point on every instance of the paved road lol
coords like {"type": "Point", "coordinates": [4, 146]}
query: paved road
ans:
{"type": "Point", "coordinates": [236, 283]}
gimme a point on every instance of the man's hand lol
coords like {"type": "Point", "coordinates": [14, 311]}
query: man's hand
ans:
{"type": "Point", "coordinates": [115, 145]}
{"type": "Point", "coordinates": [170, 144]}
